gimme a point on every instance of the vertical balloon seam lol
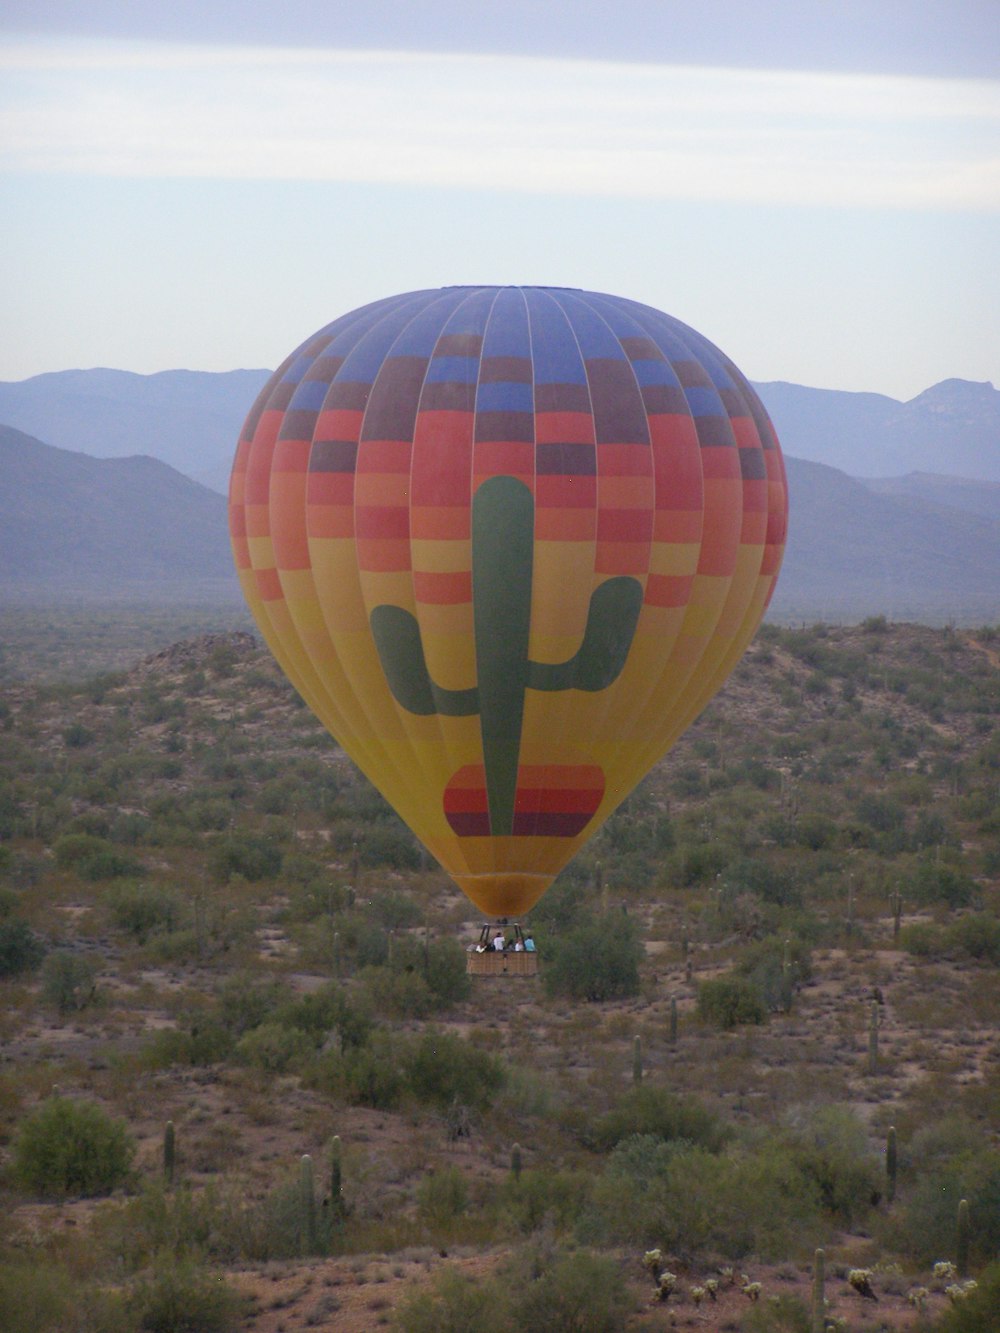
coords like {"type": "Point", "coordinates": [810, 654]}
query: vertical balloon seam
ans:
{"type": "Point", "coordinates": [345, 734]}
{"type": "Point", "coordinates": [611, 799]}
{"type": "Point", "coordinates": [694, 695]}
{"type": "Point", "coordinates": [358, 738]}
{"type": "Point", "coordinates": [382, 768]}
{"type": "Point", "coordinates": [267, 616]}
{"type": "Point", "coordinates": [648, 702]}
{"type": "Point", "coordinates": [407, 751]}
{"type": "Point", "coordinates": [447, 744]}
{"type": "Point", "coordinates": [562, 712]}
{"type": "Point", "coordinates": [343, 731]}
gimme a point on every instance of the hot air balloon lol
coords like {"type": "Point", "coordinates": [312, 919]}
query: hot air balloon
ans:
{"type": "Point", "coordinates": [507, 543]}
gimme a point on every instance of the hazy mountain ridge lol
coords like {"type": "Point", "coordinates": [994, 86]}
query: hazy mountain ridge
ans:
{"type": "Point", "coordinates": [191, 419]}
{"type": "Point", "coordinates": [74, 526]}
{"type": "Point", "coordinates": [82, 526]}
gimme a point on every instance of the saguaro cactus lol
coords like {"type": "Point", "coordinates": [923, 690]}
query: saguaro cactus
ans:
{"type": "Point", "coordinates": [962, 1234]}
{"type": "Point", "coordinates": [637, 1060]}
{"type": "Point", "coordinates": [890, 1164]}
{"type": "Point", "coordinates": [169, 1152]}
{"type": "Point", "coordinates": [336, 1179]}
{"type": "Point", "coordinates": [673, 1020]}
{"type": "Point", "coordinates": [307, 1204]}
{"type": "Point", "coordinates": [515, 1161]}
{"type": "Point", "coordinates": [819, 1293]}
{"type": "Point", "coordinates": [874, 1039]}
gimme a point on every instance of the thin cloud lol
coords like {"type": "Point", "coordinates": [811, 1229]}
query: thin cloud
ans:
{"type": "Point", "coordinates": [500, 123]}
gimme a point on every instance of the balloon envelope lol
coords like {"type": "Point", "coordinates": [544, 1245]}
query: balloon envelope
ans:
{"type": "Point", "coordinates": [507, 542]}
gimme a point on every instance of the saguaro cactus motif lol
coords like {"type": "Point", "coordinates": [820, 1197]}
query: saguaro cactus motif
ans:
{"type": "Point", "coordinates": [962, 1237]}
{"type": "Point", "coordinates": [503, 512]}
{"type": "Point", "coordinates": [637, 1060]}
{"type": "Point", "coordinates": [891, 1164]}
{"type": "Point", "coordinates": [307, 1204]}
{"type": "Point", "coordinates": [819, 1293]}
{"type": "Point", "coordinates": [169, 1152]}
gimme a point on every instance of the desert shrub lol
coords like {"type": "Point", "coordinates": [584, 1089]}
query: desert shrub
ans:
{"type": "Point", "coordinates": [647, 1110]}
{"type": "Point", "coordinates": [977, 1312]}
{"type": "Point", "coordinates": [763, 965]}
{"type": "Point", "coordinates": [180, 1296]}
{"type": "Point", "coordinates": [934, 883]}
{"type": "Point", "coordinates": [596, 961]}
{"type": "Point", "coordinates": [389, 844]}
{"type": "Point", "coordinates": [20, 948]}
{"type": "Point", "coordinates": [371, 1075]}
{"type": "Point", "coordinates": [139, 909]}
{"type": "Point", "coordinates": [688, 1200]}
{"type": "Point", "coordinates": [69, 981]}
{"type": "Point", "coordinates": [34, 1299]}
{"type": "Point", "coordinates": [94, 858]}
{"type": "Point", "coordinates": [770, 883]}
{"type": "Point", "coordinates": [728, 1001]}
{"type": "Point", "coordinates": [68, 1147]}
{"type": "Point", "coordinates": [442, 1196]}
{"type": "Point", "coordinates": [454, 1303]}
{"type": "Point", "coordinates": [442, 1068]}
{"type": "Point", "coordinates": [250, 855]}
{"type": "Point", "coordinates": [832, 1151]}
{"type": "Point", "coordinates": [328, 1010]}
{"type": "Point", "coordinates": [782, 1313]}
{"type": "Point", "coordinates": [439, 962]}
{"type": "Point", "coordinates": [203, 1041]}
{"type": "Point", "coordinates": [815, 831]}
{"type": "Point", "coordinates": [926, 1229]}
{"type": "Point", "coordinates": [394, 993]}
{"type": "Point", "coordinates": [575, 1292]}
{"type": "Point", "coordinates": [977, 936]}
{"type": "Point", "coordinates": [544, 1198]}
{"type": "Point", "coordinates": [273, 1048]}
{"type": "Point", "coordinates": [395, 911]}
{"type": "Point", "coordinates": [242, 1002]}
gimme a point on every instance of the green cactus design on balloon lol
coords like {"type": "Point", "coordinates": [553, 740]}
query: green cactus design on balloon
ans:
{"type": "Point", "coordinates": [503, 513]}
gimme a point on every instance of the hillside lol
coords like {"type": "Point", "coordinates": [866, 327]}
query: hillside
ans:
{"type": "Point", "coordinates": [110, 530]}
{"type": "Point", "coordinates": [244, 941]}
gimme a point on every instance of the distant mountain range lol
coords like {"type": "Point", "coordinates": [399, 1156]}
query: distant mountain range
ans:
{"type": "Point", "coordinates": [72, 526]}
{"type": "Point", "coordinates": [126, 529]}
{"type": "Point", "coordinates": [190, 419]}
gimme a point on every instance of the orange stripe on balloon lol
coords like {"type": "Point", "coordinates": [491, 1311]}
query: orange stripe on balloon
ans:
{"type": "Point", "coordinates": [566, 491]}
{"type": "Point", "coordinates": [330, 521]}
{"type": "Point", "coordinates": [269, 585]}
{"type": "Point", "coordinates": [439, 523]}
{"type": "Point", "coordinates": [668, 589]}
{"type": "Point", "coordinates": [568, 525]}
{"type": "Point", "coordinates": [442, 589]}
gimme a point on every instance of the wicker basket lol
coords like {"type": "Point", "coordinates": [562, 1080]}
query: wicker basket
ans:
{"type": "Point", "coordinates": [493, 963]}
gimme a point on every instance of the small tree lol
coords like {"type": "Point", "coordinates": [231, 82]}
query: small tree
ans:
{"type": "Point", "coordinates": [67, 1147]}
{"type": "Point", "coordinates": [599, 960]}
{"type": "Point", "coordinates": [69, 981]}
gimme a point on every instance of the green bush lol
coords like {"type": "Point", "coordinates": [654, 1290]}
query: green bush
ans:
{"type": "Point", "coordinates": [647, 1110]}
{"type": "Point", "coordinates": [94, 858]}
{"type": "Point", "coordinates": [728, 1001]}
{"type": "Point", "coordinates": [442, 1196]}
{"type": "Point", "coordinates": [69, 981]}
{"type": "Point", "coordinates": [273, 1048]}
{"type": "Point", "coordinates": [139, 909]}
{"type": "Point", "coordinates": [833, 1153]}
{"type": "Point", "coordinates": [182, 1297]}
{"type": "Point", "coordinates": [252, 856]}
{"type": "Point", "coordinates": [20, 948]}
{"type": "Point", "coordinates": [545, 1198]}
{"type": "Point", "coordinates": [442, 1068]}
{"type": "Point", "coordinates": [67, 1147]}
{"type": "Point", "coordinates": [577, 1292]}
{"type": "Point", "coordinates": [454, 1303]}
{"type": "Point", "coordinates": [596, 961]}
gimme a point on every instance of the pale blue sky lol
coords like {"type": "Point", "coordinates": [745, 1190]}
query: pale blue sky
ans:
{"type": "Point", "coordinates": [816, 186]}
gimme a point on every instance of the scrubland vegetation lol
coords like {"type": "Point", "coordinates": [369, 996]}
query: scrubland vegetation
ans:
{"type": "Point", "coordinates": [246, 1082]}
